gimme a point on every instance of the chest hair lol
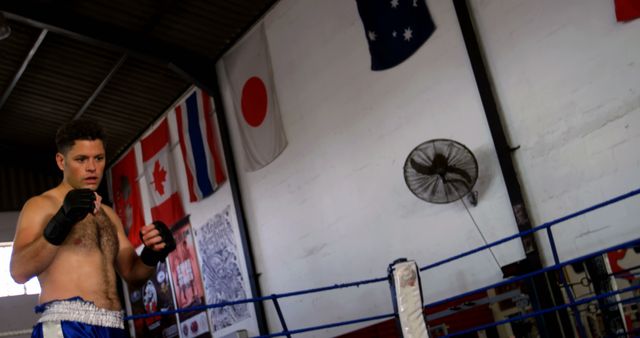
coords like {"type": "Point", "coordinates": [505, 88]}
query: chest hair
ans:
{"type": "Point", "coordinates": [95, 232]}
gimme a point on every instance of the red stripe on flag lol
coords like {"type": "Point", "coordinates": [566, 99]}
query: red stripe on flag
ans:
{"type": "Point", "coordinates": [157, 140]}
{"type": "Point", "coordinates": [183, 148]}
{"type": "Point", "coordinates": [212, 139]}
{"type": "Point", "coordinates": [169, 211]}
{"type": "Point", "coordinates": [206, 103]}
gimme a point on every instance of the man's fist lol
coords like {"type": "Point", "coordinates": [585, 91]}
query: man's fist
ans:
{"type": "Point", "coordinates": [79, 203]}
{"type": "Point", "coordinates": [75, 207]}
{"type": "Point", "coordinates": [158, 243]}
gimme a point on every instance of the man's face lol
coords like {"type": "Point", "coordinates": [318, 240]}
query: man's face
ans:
{"type": "Point", "coordinates": [83, 165]}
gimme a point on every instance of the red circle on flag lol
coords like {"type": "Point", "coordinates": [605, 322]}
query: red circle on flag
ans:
{"type": "Point", "coordinates": [254, 101]}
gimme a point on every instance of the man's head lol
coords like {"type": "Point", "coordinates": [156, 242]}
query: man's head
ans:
{"type": "Point", "coordinates": [81, 153]}
{"type": "Point", "coordinates": [75, 130]}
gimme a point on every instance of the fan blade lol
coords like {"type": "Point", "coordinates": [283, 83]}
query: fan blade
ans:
{"type": "Point", "coordinates": [461, 172]}
{"type": "Point", "coordinates": [454, 183]}
{"type": "Point", "coordinates": [421, 169]}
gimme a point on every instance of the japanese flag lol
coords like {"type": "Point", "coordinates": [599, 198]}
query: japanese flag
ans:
{"type": "Point", "coordinates": [248, 68]}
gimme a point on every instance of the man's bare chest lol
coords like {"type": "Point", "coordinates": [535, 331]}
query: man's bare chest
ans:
{"type": "Point", "coordinates": [96, 232]}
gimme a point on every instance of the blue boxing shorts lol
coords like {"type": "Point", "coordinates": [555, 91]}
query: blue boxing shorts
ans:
{"type": "Point", "coordinates": [76, 317]}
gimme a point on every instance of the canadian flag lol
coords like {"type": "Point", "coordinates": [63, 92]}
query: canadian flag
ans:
{"type": "Point", "coordinates": [166, 205]}
{"type": "Point", "coordinates": [248, 68]}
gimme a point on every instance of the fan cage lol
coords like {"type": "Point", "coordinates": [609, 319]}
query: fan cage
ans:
{"type": "Point", "coordinates": [437, 180]}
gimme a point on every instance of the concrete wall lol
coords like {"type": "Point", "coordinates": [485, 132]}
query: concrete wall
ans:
{"type": "Point", "coordinates": [567, 76]}
{"type": "Point", "coordinates": [334, 206]}
{"type": "Point", "coordinates": [17, 311]}
{"type": "Point", "coordinates": [17, 314]}
{"type": "Point", "coordinates": [8, 222]}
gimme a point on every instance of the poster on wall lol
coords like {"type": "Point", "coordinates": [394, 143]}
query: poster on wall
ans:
{"type": "Point", "coordinates": [153, 296]}
{"type": "Point", "coordinates": [223, 280]}
{"type": "Point", "coordinates": [187, 282]}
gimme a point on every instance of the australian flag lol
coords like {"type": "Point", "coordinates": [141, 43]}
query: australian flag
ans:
{"type": "Point", "coordinates": [395, 29]}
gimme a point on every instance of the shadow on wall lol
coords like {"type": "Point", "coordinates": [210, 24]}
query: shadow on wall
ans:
{"type": "Point", "coordinates": [17, 313]}
{"type": "Point", "coordinates": [483, 156]}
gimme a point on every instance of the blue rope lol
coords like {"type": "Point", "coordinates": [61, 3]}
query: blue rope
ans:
{"type": "Point", "coordinates": [545, 311]}
{"type": "Point", "coordinates": [254, 300]}
{"type": "Point", "coordinates": [197, 308]}
{"type": "Point", "coordinates": [535, 229]}
{"type": "Point", "coordinates": [631, 300]}
{"type": "Point", "coordinates": [433, 265]}
{"type": "Point", "coordinates": [625, 245]}
{"type": "Point", "coordinates": [446, 300]}
{"type": "Point", "coordinates": [320, 327]}
{"type": "Point", "coordinates": [335, 286]}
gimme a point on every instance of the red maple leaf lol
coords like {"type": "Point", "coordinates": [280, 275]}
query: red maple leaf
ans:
{"type": "Point", "coordinates": [159, 177]}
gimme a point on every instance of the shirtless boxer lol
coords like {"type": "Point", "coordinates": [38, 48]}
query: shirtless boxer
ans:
{"type": "Point", "coordinates": [75, 245]}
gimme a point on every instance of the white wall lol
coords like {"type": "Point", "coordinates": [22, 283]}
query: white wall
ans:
{"type": "Point", "coordinates": [8, 221]}
{"type": "Point", "coordinates": [17, 311]}
{"type": "Point", "coordinates": [567, 76]}
{"type": "Point", "coordinates": [17, 314]}
{"type": "Point", "coordinates": [334, 206]}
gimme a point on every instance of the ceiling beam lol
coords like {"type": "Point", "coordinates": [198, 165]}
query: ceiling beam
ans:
{"type": "Point", "coordinates": [60, 21]}
{"type": "Point", "coordinates": [148, 27]}
{"type": "Point", "coordinates": [100, 87]}
{"type": "Point", "coordinates": [23, 67]}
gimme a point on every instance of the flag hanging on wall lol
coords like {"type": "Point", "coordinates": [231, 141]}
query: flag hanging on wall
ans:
{"type": "Point", "coordinates": [165, 201]}
{"type": "Point", "coordinates": [197, 131]}
{"type": "Point", "coordinates": [126, 196]}
{"type": "Point", "coordinates": [627, 10]}
{"type": "Point", "coordinates": [394, 29]}
{"type": "Point", "coordinates": [248, 68]}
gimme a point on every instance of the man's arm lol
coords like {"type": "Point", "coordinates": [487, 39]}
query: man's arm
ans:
{"type": "Point", "coordinates": [133, 268]}
{"type": "Point", "coordinates": [32, 253]}
{"type": "Point", "coordinates": [43, 226]}
{"type": "Point", "coordinates": [128, 264]}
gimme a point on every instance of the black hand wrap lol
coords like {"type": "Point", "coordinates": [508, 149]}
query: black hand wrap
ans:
{"type": "Point", "coordinates": [77, 204]}
{"type": "Point", "coordinates": [151, 257]}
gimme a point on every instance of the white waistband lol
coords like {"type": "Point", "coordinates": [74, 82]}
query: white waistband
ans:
{"type": "Point", "coordinates": [82, 312]}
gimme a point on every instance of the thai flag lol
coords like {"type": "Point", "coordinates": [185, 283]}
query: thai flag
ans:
{"type": "Point", "coordinates": [197, 131]}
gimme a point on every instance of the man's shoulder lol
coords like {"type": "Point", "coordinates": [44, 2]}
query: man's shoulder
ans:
{"type": "Point", "coordinates": [48, 199]}
{"type": "Point", "coordinates": [38, 208]}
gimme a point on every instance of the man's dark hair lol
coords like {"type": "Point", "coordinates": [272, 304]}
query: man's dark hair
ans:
{"type": "Point", "coordinates": [79, 129]}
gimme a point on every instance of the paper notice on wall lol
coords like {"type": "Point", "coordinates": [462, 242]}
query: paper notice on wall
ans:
{"type": "Point", "coordinates": [223, 279]}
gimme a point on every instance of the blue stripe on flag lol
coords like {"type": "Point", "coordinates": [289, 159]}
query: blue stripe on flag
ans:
{"type": "Point", "coordinates": [197, 146]}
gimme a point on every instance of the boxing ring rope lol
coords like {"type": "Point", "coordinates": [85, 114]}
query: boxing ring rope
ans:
{"type": "Point", "coordinates": [16, 333]}
{"type": "Point", "coordinates": [547, 310]}
{"type": "Point", "coordinates": [573, 303]}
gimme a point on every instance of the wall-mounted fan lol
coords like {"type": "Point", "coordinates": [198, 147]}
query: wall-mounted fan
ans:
{"type": "Point", "coordinates": [442, 171]}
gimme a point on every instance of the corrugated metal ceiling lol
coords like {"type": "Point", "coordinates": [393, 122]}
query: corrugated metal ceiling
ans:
{"type": "Point", "coordinates": [103, 59]}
